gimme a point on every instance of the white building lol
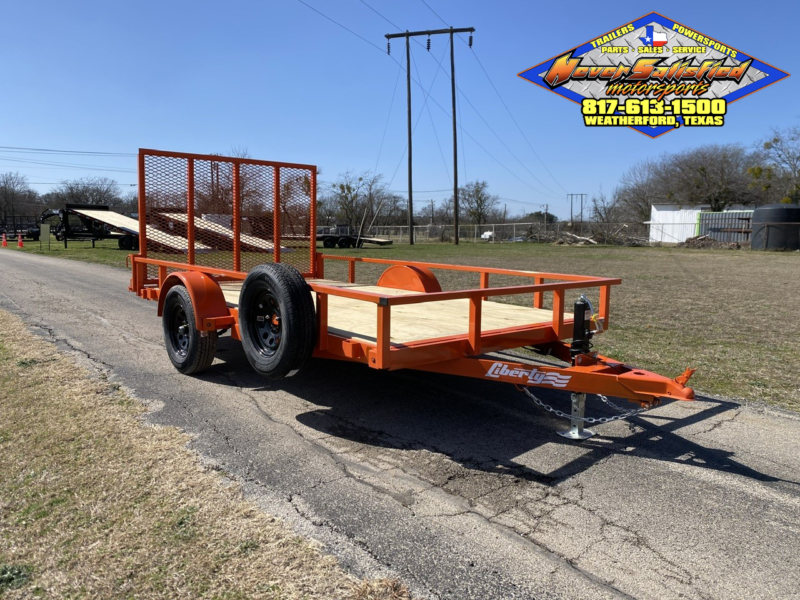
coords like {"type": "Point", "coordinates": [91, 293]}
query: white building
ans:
{"type": "Point", "coordinates": [673, 223]}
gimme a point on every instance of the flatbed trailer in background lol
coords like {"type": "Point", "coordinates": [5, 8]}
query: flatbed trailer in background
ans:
{"type": "Point", "coordinates": [282, 307]}
{"type": "Point", "coordinates": [347, 240]}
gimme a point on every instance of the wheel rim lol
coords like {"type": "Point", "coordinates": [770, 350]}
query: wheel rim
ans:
{"type": "Point", "coordinates": [179, 331]}
{"type": "Point", "coordinates": [266, 325]}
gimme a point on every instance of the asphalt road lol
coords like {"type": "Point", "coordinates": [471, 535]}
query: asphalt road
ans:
{"type": "Point", "coordinates": [459, 487]}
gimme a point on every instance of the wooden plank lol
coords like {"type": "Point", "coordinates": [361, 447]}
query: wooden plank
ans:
{"type": "Point", "coordinates": [413, 322]}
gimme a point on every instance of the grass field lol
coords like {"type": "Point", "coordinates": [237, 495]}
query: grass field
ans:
{"type": "Point", "coordinates": [106, 252]}
{"type": "Point", "coordinates": [93, 504]}
{"type": "Point", "coordinates": [729, 313]}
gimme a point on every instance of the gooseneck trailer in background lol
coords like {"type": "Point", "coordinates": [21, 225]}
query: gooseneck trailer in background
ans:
{"type": "Point", "coordinates": [266, 284]}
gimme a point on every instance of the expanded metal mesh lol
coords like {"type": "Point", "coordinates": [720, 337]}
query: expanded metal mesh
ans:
{"type": "Point", "coordinates": [227, 213]}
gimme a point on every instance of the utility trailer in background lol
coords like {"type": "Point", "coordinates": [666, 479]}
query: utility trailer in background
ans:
{"type": "Point", "coordinates": [284, 310]}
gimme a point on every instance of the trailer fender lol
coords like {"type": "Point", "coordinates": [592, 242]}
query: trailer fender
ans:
{"type": "Point", "coordinates": [210, 309]}
{"type": "Point", "coordinates": [411, 278]}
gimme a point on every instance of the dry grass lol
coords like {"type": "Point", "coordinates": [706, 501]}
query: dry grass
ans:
{"type": "Point", "coordinates": [95, 505]}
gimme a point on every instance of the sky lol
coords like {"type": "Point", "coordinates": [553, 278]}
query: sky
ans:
{"type": "Point", "coordinates": [286, 83]}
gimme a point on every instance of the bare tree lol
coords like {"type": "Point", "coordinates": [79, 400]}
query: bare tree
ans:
{"type": "Point", "coordinates": [88, 190]}
{"type": "Point", "coordinates": [607, 209]}
{"type": "Point", "coordinates": [16, 196]}
{"type": "Point", "coordinates": [781, 169]}
{"type": "Point", "coordinates": [638, 190]}
{"type": "Point", "coordinates": [717, 174]}
{"type": "Point", "coordinates": [477, 202]}
{"type": "Point", "coordinates": [360, 201]}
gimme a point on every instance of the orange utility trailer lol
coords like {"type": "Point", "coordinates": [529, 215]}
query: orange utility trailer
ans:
{"type": "Point", "coordinates": [266, 283]}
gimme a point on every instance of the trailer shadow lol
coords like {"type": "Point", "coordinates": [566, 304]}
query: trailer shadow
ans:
{"type": "Point", "coordinates": [478, 424]}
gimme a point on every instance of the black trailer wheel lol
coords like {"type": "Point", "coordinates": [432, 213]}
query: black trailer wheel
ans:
{"type": "Point", "coordinates": [277, 320]}
{"type": "Point", "coordinates": [125, 242]}
{"type": "Point", "coordinates": [343, 242]}
{"type": "Point", "coordinates": [329, 242]}
{"type": "Point", "coordinates": [189, 350]}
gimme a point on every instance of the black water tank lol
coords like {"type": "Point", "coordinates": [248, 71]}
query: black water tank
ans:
{"type": "Point", "coordinates": [776, 227]}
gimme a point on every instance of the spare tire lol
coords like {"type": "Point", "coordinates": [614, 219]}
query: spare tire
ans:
{"type": "Point", "coordinates": [277, 321]}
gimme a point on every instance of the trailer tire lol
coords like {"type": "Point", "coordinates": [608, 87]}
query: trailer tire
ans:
{"type": "Point", "coordinates": [277, 320]}
{"type": "Point", "coordinates": [125, 242]}
{"type": "Point", "coordinates": [189, 350]}
{"type": "Point", "coordinates": [329, 242]}
{"type": "Point", "coordinates": [343, 243]}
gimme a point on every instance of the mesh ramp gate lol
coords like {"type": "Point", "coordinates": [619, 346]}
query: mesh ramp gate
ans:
{"type": "Point", "coordinates": [226, 212]}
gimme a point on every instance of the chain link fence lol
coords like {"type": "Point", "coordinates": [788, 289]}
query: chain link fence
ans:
{"type": "Point", "coordinates": [601, 233]}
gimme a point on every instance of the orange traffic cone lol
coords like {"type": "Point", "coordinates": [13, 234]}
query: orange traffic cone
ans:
{"type": "Point", "coordinates": [19, 241]}
{"type": "Point", "coordinates": [5, 242]}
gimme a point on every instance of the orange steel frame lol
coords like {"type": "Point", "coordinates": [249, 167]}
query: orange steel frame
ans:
{"type": "Point", "coordinates": [463, 354]}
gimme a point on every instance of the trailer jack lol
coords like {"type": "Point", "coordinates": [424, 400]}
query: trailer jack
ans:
{"type": "Point", "coordinates": [576, 430]}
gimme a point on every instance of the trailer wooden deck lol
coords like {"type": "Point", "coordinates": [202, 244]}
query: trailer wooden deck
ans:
{"type": "Point", "coordinates": [355, 319]}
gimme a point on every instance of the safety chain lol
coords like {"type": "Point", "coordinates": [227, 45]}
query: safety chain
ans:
{"type": "Point", "coordinates": [563, 415]}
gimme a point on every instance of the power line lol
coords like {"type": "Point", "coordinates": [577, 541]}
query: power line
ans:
{"type": "Point", "coordinates": [78, 183]}
{"type": "Point", "coordinates": [427, 95]}
{"type": "Point", "coordinates": [339, 24]}
{"type": "Point", "coordinates": [510, 114]}
{"type": "Point", "coordinates": [419, 116]}
{"type": "Point", "coordinates": [416, 68]}
{"type": "Point", "coordinates": [435, 13]}
{"type": "Point", "coordinates": [420, 191]}
{"type": "Point", "coordinates": [382, 17]}
{"type": "Point", "coordinates": [485, 122]}
{"type": "Point", "coordinates": [522, 201]}
{"type": "Point", "coordinates": [505, 106]}
{"type": "Point", "coordinates": [388, 116]}
{"type": "Point", "coordinates": [66, 165]}
{"type": "Point", "coordinates": [21, 149]}
{"type": "Point", "coordinates": [433, 125]}
{"type": "Point", "coordinates": [555, 195]}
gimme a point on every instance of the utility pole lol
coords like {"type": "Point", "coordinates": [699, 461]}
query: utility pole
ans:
{"type": "Point", "coordinates": [408, 35]}
{"type": "Point", "coordinates": [570, 207]}
{"type": "Point", "coordinates": [582, 197]}
{"type": "Point", "coordinates": [431, 211]}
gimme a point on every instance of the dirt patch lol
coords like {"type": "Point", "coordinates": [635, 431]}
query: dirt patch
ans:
{"type": "Point", "coordinates": [96, 505]}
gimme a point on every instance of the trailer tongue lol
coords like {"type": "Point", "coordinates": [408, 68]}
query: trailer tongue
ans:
{"type": "Point", "coordinates": [265, 283]}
